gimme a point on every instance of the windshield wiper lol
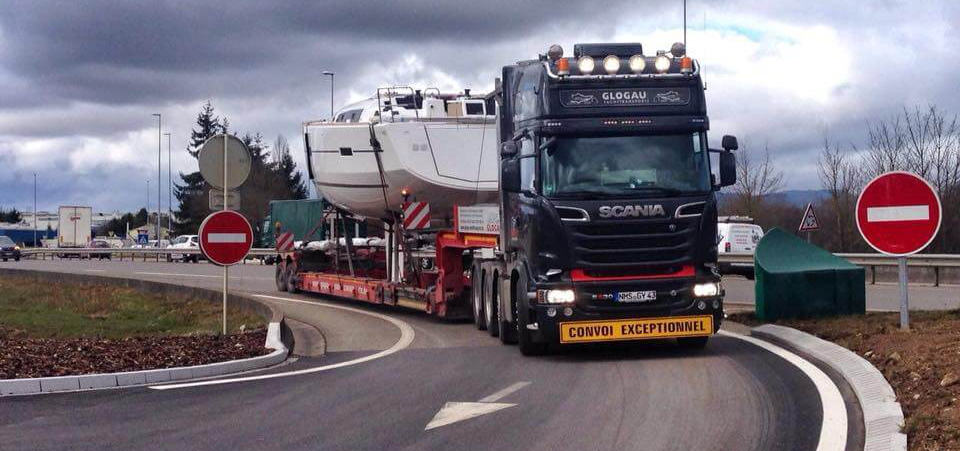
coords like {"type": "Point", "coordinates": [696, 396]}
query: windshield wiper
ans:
{"type": "Point", "coordinates": [583, 193]}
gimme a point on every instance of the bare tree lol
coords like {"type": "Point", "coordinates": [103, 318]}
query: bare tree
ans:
{"type": "Point", "coordinates": [886, 142]}
{"type": "Point", "coordinates": [842, 179]}
{"type": "Point", "coordinates": [281, 148]}
{"type": "Point", "coordinates": [756, 179]}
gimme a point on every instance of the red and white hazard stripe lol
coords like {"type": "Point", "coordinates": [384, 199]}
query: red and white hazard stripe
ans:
{"type": "Point", "coordinates": [284, 242]}
{"type": "Point", "coordinates": [416, 215]}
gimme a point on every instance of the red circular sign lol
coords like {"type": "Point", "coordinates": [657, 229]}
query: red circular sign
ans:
{"type": "Point", "coordinates": [898, 213]}
{"type": "Point", "coordinates": [225, 237]}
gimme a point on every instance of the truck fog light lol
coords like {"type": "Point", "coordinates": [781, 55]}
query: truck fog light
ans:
{"type": "Point", "coordinates": [662, 63]}
{"type": "Point", "coordinates": [716, 304]}
{"type": "Point", "coordinates": [702, 305]}
{"type": "Point", "coordinates": [559, 296]}
{"type": "Point", "coordinates": [567, 311]}
{"type": "Point", "coordinates": [611, 64]}
{"type": "Point", "coordinates": [637, 63]}
{"type": "Point", "coordinates": [551, 312]}
{"type": "Point", "coordinates": [703, 290]}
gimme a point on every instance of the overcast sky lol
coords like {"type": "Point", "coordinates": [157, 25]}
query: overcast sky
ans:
{"type": "Point", "coordinates": [79, 80]}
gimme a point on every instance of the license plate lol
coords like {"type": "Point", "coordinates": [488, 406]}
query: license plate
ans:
{"type": "Point", "coordinates": [636, 329]}
{"type": "Point", "coordinates": [636, 296]}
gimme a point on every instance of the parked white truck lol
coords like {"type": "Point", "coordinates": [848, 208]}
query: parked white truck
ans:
{"type": "Point", "coordinates": [75, 227]}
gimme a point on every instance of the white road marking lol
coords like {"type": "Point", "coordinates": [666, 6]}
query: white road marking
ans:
{"type": "Point", "coordinates": [406, 337]}
{"type": "Point", "coordinates": [506, 391]}
{"type": "Point", "coordinates": [227, 238]}
{"type": "Point", "coordinates": [833, 430]}
{"type": "Point", "coordinates": [168, 274]}
{"type": "Point", "coordinates": [95, 270]}
{"type": "Point", "coordinates": [899, 213]}
{"type": "Point", "coordinates": [453, 412]}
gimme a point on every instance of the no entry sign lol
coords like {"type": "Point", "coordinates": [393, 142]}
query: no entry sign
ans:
{"type": "Point", "coordinates": [225, 237]}
{"type": "Point", "coordinates": [898, 213]}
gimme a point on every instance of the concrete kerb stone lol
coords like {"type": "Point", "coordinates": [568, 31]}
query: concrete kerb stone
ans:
{"type": "Point", "coordinates": [882, 415]}
{"type": "Point", "coordinates": [279, 338]}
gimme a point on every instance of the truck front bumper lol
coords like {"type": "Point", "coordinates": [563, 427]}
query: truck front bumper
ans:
{"type": "Point", "coordinates": [573, 323]}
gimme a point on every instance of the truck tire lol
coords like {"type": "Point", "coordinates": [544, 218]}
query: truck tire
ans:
{"type": "Point", "coordinates": [490, 316]}
{"type": "Point", "coordinates": [476, 294]}
{"type": "Point", "coordinates": [508, 330]}
{"type": "Point", "coordinates": [292, 279]}
{"type": "Point", "coordinates": [281, 278]}
{"type": "Point", "coordinates": [693, 342]}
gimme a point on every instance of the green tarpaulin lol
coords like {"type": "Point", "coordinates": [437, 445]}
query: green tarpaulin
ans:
{"type": "Point", "coordinates": [795, 279]}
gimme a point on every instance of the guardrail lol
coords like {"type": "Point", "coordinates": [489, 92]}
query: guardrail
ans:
{"type": "Point", "coordinates": [131, 253]}
{"type": "Point", "coordinates": [872, 261]}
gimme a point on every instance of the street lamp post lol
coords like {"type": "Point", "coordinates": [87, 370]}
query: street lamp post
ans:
{"type": "Point", "coordinates": [159, 176]}
{"type": "Point", "coordinates": [35, 209]}
{"type": "Point", "coordinates": [169, 189]}
{"type": "Point", "coordinates": [326, 72]}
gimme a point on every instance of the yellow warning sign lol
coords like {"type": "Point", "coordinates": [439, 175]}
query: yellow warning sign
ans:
{"type": "Point", "coordinates": [635, 329]}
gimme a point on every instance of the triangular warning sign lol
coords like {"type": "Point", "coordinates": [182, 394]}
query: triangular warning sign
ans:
{"type": "Point", "coordinates": [809, 221]}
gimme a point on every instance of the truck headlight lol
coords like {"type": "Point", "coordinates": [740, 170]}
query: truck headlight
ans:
{"type": "Point", "coordinates": [558, 296]}
{"type": "Point", "coordinates": [16, 248]}
{"type": "Point", "coordinates": [611, 64]}
{"type": "Point", "coordinates": [705, 290]}
{"type": "Point", "coordinates": [662, 63]}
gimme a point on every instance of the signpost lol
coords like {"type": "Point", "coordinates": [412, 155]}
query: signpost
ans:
{"type": "Point", "coordinates": [899, 213]}
{"type": "Point", "coordinates": [225, 236]}
{"type": "Point", "coordinates": [809, 222]}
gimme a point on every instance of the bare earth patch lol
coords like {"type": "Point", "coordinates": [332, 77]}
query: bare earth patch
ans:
{"type": "Point", "coordinates": [42, 357]}
{"type": "Point", "coordinates": [58, 329]}
{"type": "Point", "coordinates": [922, 365]}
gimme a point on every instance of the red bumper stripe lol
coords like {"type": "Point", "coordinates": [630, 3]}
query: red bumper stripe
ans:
{"type": "Point", "coordinates": [578, 275]}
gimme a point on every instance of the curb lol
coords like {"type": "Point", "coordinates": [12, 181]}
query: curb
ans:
{"type": "Point", "coordinates": [131, 378]}
{"type": "Point", "coordinates": [882, 415]}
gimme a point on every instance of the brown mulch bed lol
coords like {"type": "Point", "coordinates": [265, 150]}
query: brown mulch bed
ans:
{"type": "Point", "coordinates": [21, 356]}
{"type": "Point", "coordinates": [922, 365]}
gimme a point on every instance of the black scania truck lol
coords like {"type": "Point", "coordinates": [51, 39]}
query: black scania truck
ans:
{"type": "Point", "coordinates": [607, 204]}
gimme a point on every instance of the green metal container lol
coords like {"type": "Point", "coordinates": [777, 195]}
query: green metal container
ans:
{"type": "Point", "coordinates": [795, 279]}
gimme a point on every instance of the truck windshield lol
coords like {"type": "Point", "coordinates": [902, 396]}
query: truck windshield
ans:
{"type": "Point", "coordinates": [625, 165]}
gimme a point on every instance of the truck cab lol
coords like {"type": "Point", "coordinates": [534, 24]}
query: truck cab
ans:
{"type": "Point", "coordinates": [608, 206]}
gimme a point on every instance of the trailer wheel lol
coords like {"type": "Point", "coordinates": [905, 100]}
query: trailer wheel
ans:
{"type": "Point", "coordinates": [281, 278]}
{"type": "Point", "coordinates": [476, 293]}
{"type": "Point", "coordinates": [490, 316]}
{"type": "Point", "coordinates": [292, 279]}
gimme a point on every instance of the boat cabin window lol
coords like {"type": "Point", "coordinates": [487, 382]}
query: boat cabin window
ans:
{"type": "Point", "coordinates": [474, 108]}
{"type": "Point", "coordinates": [349, 116]}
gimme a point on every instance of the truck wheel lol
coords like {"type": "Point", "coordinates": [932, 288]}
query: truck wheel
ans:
{"type": "Point", "coordinates": [490, 306]}
{"type": "Point", "coordinates": [693, 342]}
{"type": "Point", "coordinates": [508, 330]}
{"type": "Point", "coordinates": [525, 339]}
{"type": "Point", "coordinates": [292, 279]}
{"type": "Point", "coordinates": [476, 291]}
{"type": "Point", "coordinates": [281, 279]}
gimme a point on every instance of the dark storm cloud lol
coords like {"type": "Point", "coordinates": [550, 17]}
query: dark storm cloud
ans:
{"type": "Point", "coordinates": [126, 52]}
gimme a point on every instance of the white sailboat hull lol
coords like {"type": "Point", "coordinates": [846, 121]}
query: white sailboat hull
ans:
{"type": "Point", "coordinates": [445, 163]}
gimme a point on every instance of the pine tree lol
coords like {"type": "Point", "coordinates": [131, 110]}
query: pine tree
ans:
{"type": "Point", "coordinates": [193, 192]}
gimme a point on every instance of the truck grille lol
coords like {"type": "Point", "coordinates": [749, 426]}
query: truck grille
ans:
{"type": "Point", "coordinates": [641, 244]}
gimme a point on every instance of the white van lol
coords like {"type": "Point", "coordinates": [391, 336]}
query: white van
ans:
{"type": "Point", "coordinates": [737, 235]}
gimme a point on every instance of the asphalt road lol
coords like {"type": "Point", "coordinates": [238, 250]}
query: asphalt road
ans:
{"type": "Point", "coordinates": [733, 395]}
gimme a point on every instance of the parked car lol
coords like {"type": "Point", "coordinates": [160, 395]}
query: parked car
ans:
{"type": "Point", "coordinates": [738, 236]}
{"type": "Point", "coordinates": [99, 244]}
{"type": "Point", "coordinates": [184, 242]}
{"type": "Point", "coordinates": [9, 249]}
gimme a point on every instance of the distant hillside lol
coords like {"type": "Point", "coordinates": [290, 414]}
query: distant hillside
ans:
{"type": "Point", "coordinates": [797, 198]}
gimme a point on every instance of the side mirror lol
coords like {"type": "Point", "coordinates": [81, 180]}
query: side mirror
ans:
{"type": "Point", "coordinates": [728, 166]}
{"type": "Point", "coordinates": [510, 175]}
{"type": "Point", "coordinates": [729, 143]}
{"type": "Point", "coordinates": [509, 149]}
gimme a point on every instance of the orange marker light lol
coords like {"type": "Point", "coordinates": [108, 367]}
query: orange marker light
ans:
{"type": "Point", "coordinates": [686, 65]}
{"type": "Point", "coordinates": [563, 66]}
